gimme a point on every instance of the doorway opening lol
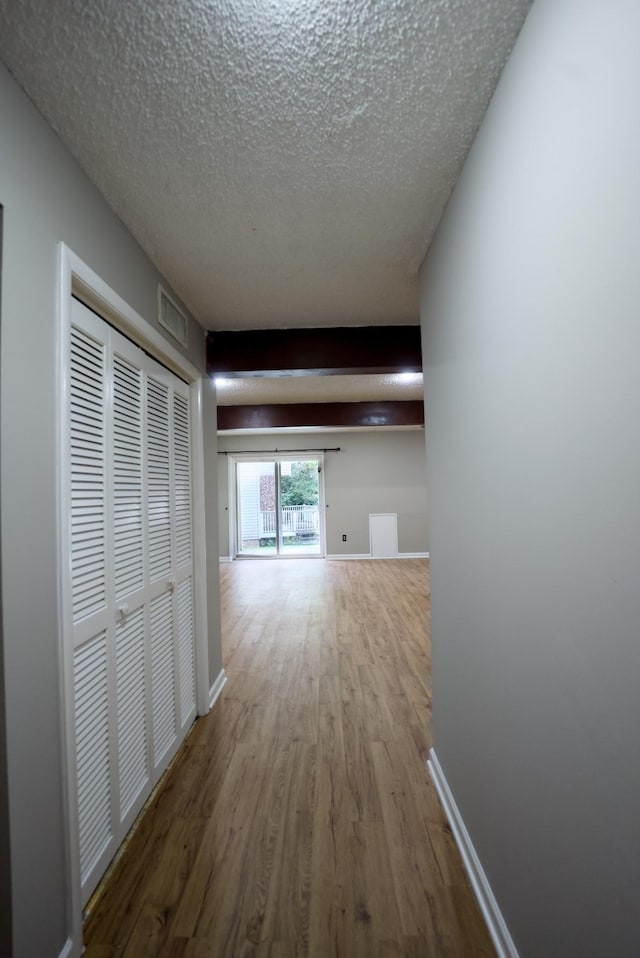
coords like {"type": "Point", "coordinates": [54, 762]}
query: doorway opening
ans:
{"type": "Point", "coordinates": [279, 511]}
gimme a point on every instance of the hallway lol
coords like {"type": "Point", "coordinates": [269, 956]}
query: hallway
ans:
{"type": "Point", "coordinates": [299, 818]}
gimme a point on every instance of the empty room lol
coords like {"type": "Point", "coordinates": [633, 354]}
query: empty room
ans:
{"type": "Point", "coordinates": [319, 478]}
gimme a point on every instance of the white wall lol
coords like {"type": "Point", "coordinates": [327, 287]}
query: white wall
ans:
{"type": "Point", "coordinates": [531, 339]}
{"type": "Point", "coordinates": [46, 199]}
{"type": "Point", "coordinates": [5, 869]}
{"type": "Point", "coordinates": [373, 472]}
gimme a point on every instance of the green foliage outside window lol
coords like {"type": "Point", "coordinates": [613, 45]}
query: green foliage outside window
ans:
{"type": "Point", "coordinates": [301, 487]}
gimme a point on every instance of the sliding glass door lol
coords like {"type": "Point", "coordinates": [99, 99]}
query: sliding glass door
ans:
{"type": "Point", "coordinates": [299, 508]}
{"type": "Point", "coordinates": [278, 511]}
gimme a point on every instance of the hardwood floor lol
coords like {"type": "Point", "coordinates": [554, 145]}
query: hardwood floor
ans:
{"type": "Point", "coordinates": [300, 819]}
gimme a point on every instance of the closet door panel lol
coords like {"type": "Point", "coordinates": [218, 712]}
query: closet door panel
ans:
{"type": "Point", "coordinates": [182, 478]}
{"type": "Point", "coordinates": [127, 464]}
{"type": "Point", "coordinates": [163, 692]}
{"type": "Point", "coordinates": [133, 743]}
{"type": "Point", "coordinates": [88, 535]}
{"type": "Point", "coordinates": [93, 752]}
{"type": "Point", "coordinates": [158, 478]}
{"type": "Point", "coordinates": [87, 395]}
{"type": "Point", "coordinates": [186, 652]}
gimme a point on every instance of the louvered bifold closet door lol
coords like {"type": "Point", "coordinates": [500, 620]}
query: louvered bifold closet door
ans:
{"type": "Point", "coordinates": [131, 594]}
{"type": "Point", "coordinates": [162, 584]}
{"type": "Point", "coordinates": [170, 559]}
{"type": "Point", "coordinates": [131, 579]}
{"type": "Point", "coordinates": [184, 552]}
{"type": "Point", "coordinates": [89, 534]}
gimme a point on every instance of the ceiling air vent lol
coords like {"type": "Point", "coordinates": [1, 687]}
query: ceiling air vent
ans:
{"type": "Point", "coordinates": [171, 317]}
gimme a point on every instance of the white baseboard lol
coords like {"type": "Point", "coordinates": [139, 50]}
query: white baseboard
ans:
{"type": "Point", "coordinates": [367, 555]}
{"type": "Point", "coordinates": [217, 688]}
{"type": "Point", "coordinates": [69, 951]}
{"type": "Point", "coordinates": [359, 555]}
{"type": "Point", "coordinates": [355, 555]}
{"type": "Point", "coordinates": [479, 882]}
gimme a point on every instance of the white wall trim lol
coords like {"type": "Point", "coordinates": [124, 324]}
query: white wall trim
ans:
{"type": "Point", "coordinates": [355, 555]}
{"type": "Point", "coordinates": [479, 882]}
{"type": "Point", "coordinates": [216, 688]}
{"type": "Point", "coordinates": [199, 550]}
{"type": "Point", "coordinates": [232, 505]}
{"type": "Point", "coordinates": [65, 619]}
{"type": "Point", "coordinates": [92, 290]}
{"type": "Point", "coordinates": [69, 950]}
{"type": "Point", "coordinates": [225, 559]}
{"type": "Point", "coordinates": [366, 555]}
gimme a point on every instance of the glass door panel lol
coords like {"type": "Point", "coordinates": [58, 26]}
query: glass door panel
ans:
{"type": "Point", "coordinates": [278, 510]}
{"type": "Point", "coordinates": [299, 507]}
{"type": "Point", "coordinates": [257, 514]}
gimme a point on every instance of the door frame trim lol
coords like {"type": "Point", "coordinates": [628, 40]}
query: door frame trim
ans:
{"type": "Point", "coordinates": [76, 278]}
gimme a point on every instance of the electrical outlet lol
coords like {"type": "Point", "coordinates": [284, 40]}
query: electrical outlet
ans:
{"type": "Point", "coordinates": [344, 537]}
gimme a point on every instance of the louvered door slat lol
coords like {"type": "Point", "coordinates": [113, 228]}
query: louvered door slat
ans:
{"type": "Point", "coordinates": [162, 675]}
{"type": "Point", "coordinates": [92, 751]}
{"type": "Point", "coordinates": [87, 467]}
{"type": "Point", "coordinates": [186, 656]}
{"type": "Point", "coordinates": [158, 479]}
{"type": "Point", "coordinates": [132, 729]}
{"type": "Point", "coordinates": [127, 477]}
{"type": "Point", "coordinates": [182, 478]}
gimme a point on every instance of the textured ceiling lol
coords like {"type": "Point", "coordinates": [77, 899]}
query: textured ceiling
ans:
{"type": "Point", "coordinates": [306, 389]}
{"type": "Point", "coordinates": [282, 162]}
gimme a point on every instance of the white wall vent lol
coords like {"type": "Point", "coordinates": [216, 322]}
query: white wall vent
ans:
{"type": "Point", "coordinates": [171, 317]}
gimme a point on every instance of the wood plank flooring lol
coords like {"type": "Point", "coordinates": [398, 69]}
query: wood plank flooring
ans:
{"type": "Point", "coordinates": [299, 819]}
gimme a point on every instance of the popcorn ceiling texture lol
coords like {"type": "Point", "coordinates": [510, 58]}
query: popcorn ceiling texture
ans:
{"type": "Point", "coordinates": [282, 162]}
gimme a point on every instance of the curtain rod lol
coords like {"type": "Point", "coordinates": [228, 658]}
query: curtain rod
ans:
{"type": "Point", "coordinates": [260, 452]}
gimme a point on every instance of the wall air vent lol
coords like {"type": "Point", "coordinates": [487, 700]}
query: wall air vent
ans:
{"type": "Point", "coordinates": [171, 317]}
